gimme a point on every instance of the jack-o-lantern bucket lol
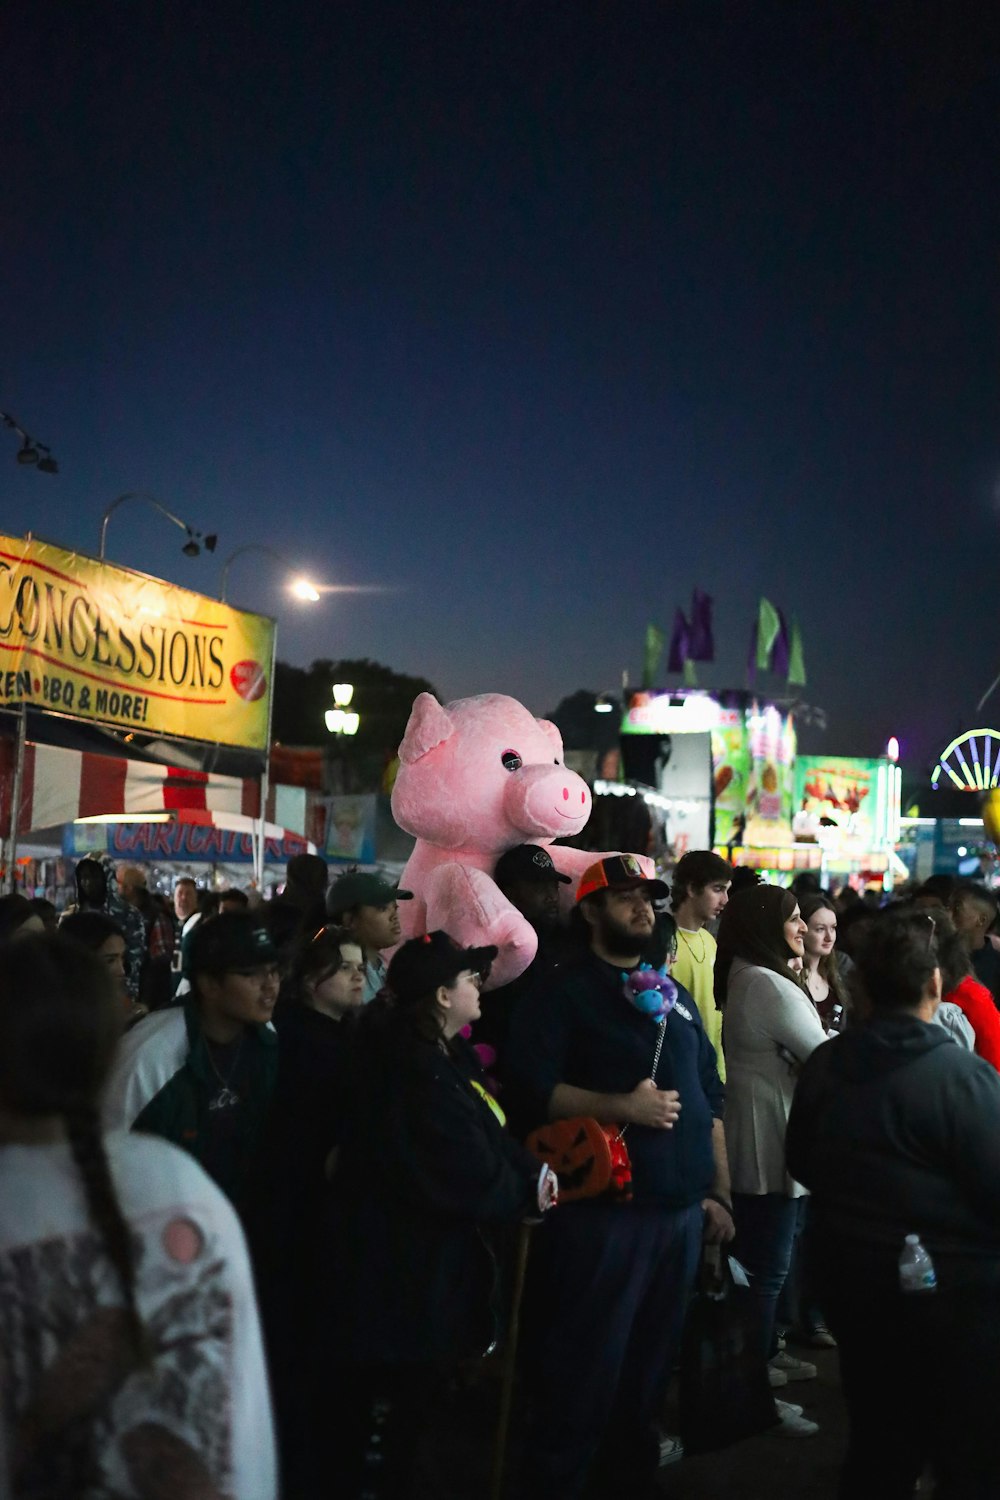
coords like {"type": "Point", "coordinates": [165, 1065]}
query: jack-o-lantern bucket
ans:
{"type": "Point", "coordinates": [588, 1158]}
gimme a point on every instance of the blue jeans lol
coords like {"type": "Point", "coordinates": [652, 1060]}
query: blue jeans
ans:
{"type": "Point", "coordinates": [766, 1225]}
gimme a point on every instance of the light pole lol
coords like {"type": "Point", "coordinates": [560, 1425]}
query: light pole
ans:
{"type": "Point", "coordinates": [299, 586]}
{"type": "Point", "coordinates": [195, 539]}
{"type": "Point", "coordinates": [308, 593]}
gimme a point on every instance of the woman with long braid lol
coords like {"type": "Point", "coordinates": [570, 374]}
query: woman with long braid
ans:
{"type": "Point", "coordinates": [131, 1355]}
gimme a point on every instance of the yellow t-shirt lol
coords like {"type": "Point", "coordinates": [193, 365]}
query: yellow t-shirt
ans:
{"type": "Point", "coordinates": [694, 968]}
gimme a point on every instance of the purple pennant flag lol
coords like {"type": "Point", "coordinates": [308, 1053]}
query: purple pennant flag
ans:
{"type": "Point", "coordinates": [680, 643]}
{"type": "Point", "coordinates": [782, 646]}
{"type": "Point", "coordinates": [702, 644]}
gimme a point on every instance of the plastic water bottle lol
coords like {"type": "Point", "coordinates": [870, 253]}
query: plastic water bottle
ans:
{"type": "Point", "coordinates": [916, 1269]}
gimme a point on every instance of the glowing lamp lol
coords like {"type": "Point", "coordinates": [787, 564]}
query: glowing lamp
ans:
{"type": "Point", "coordinates": [303, 589]}
{"type": "Point", "coordinates": [892, 749]}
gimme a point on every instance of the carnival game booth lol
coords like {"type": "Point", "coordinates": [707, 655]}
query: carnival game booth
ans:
{"type": "Point", "coordinates": [171, 818]}
{"type": "Point", "coordinates": [727, 768]}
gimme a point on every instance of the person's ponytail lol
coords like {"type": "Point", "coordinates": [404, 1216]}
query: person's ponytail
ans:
{"type": "Point", "coordinates": [87, 1145]}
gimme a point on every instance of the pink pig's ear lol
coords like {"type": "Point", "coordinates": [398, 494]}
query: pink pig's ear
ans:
{"type": "Point", "coordinates": [428, 725]}
{"type": "Point", "coordinates": [551, 733]}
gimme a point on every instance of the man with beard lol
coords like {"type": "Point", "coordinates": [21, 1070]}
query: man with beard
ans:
{"type": "Point", "coordinates": [611, 1279]}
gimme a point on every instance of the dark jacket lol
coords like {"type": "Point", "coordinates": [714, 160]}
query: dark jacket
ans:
{"type": "Point", "coordinates": [304, 1124]}
{"type": "Point", "coordinates": [895, 1130]}
{"type": "Point", "coordinates": [174, 1082]}
{"type": "Point", "coordinates": [425, 1169]}
{"type": "Point", "coordinates": [499, 1006]}
{"type": "Point", "coordinates": [586, 1033]}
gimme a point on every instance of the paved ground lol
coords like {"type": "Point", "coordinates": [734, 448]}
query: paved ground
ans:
{"type": "Point", "coordinates": [457, 1463]}
{"type": "Point", "coordinates": [772, 1468]}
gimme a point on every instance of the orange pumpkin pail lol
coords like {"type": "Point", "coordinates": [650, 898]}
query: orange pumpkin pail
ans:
{"type": "Point", "coordinates": [587, 1157]}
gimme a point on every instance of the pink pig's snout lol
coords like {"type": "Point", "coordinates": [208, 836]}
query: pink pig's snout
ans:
{"type": "Point", "coordinates": [547, 800]}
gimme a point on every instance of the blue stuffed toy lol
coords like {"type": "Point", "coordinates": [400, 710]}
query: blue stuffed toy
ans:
{"type": "Point", "coordinates": [651, 991]}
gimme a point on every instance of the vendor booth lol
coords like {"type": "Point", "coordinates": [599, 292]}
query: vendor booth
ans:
{"type": "Point", "coordinates": [727, 766]}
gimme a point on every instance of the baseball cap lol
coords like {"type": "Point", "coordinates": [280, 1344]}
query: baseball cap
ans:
{"type": "Point", "coordinates": [620, 872]}
{"type": "Point", "coordinates": [529, 864]}
{"type": "Point", "coordinates": [229, 942]}
{"type": "Point", "coordinates": [361, 888]}
{"type": "Point", "coordinates": [418, 967]}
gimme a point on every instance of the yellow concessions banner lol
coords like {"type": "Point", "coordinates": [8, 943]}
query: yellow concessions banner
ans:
{"type": "Point", "coordinates": [93, 641]}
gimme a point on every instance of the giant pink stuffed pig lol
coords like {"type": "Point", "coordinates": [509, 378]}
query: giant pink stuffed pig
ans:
{"type": "Point", "coordinates": [477, 777]}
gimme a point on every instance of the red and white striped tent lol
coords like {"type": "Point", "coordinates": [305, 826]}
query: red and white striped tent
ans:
{"type": "Point", "coordinates": [61, 786]}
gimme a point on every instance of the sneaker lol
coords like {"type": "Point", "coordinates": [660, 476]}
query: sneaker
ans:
{"type": "Point", "coordinates": [776, 1377]}
{"type": "Point", "coordinates": [820, 1338]}
{"type": "Point", "coordinates": [671, 1449]}
{"type": "Point", "coordinates": [792, 1368]}
{"type": "Point", "coordinates": [792, 1423]}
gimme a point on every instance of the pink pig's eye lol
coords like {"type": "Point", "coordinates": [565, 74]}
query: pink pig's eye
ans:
{"type": "Point", "coordinates": [511, 760]}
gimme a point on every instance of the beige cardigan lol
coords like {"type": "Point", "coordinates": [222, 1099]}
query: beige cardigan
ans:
{"type": "Point", "coordinates": [763, 1011]}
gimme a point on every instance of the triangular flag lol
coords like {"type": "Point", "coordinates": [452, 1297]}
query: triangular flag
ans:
{"type": "Point", "coordinates": [702, 639]}
{"type": "Point", "coordinates": [796, 661]}
{"type": "Point", "coordinates": [680, 643]}
{"type": "Point", "coordinates": [655, 641]}
{"type": "Point", "coordinates": [768, 625]}
{"type": "Point", "coordinates": [690, 675]}
{"type": "Point", "coordinates": [779, 656]}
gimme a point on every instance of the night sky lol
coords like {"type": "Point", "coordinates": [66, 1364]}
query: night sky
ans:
{"type": "Point", "coordinates": [535, 314]}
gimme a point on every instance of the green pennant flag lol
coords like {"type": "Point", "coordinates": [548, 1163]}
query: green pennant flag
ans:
{"type": "Point", "coordinates": [796, 661]}
{"type": "Point", "coordinates": [768, 625]}
{"type": "Point", "coordinates": [690, 675]}
{"type": "Point", "coordinates": [655, 641]}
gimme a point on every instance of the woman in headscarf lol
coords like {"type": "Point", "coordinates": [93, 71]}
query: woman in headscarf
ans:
{"type": "Point", "coordinates": [770, 1027]}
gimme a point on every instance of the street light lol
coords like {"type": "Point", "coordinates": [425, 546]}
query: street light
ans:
{"type": "Point", "coordinates": [340, 720]}
{"type": "Point", "coordinates": [195, 539]}
{"type": "Point", "coordinates": [304, 590]}
{"type": "Point", "coordinates": [30, 451]}
{"type": "Point", "coordinates": [301, 587]}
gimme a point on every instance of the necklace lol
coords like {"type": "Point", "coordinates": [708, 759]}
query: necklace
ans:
{"type": "Point", "coordinates": [683, 932]}
{"type": "Point", "coordinates": [226, 1097]}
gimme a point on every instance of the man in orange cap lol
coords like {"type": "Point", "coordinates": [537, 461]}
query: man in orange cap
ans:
{"type": "Point", "coordinates": [612, 1278]}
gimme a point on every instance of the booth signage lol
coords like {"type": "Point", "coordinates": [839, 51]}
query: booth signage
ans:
{"type": "Point", "coordinates": [190, 843]}
{"type": "Point", "coordinates": [98, 642]}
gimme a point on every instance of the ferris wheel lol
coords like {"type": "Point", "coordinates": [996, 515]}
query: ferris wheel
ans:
{"type": "Point", "coordinates": [972, 761]}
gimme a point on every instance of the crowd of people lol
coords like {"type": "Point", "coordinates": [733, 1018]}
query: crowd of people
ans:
{"type": "Point", "coordinates": [268, 1159]}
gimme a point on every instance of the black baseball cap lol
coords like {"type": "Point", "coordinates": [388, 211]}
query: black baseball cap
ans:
{"type": "Point", "coordinates": [362, 888]}
{"type": "Point", "coordinates": [229, 943]}
{"type": "Point", "coordinates": [418, 967]}
{"type": "Point", "coordinates": [528, 864]}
